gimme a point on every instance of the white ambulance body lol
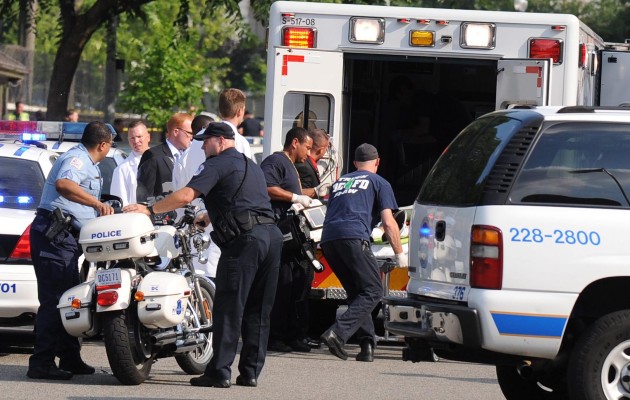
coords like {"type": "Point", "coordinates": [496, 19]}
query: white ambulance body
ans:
{"type": "Point", "coordinates": [409, 79]}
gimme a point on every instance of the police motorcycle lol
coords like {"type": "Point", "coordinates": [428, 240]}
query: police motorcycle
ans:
{"type": "Point", "coordinates": [143, 294]}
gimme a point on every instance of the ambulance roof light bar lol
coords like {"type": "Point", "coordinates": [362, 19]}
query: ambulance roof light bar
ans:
{"type": "Point", "coordinates": [367, 30]}
{"type": "Point", "coordinates": [477, 35]}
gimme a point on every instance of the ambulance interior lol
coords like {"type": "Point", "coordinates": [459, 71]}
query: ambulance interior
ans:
{"type": "Point", "coordinates": [411, 108]}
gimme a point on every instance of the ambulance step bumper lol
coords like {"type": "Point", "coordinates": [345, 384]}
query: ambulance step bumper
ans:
{"type": "Point", "coordinates": [433, 322]}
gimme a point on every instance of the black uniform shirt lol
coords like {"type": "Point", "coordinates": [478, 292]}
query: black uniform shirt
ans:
{"type": "Point", "coordinates": [218, 179]}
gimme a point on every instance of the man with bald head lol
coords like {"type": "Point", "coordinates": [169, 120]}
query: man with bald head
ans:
{"type": "Point", "coordinates": [125, 176]}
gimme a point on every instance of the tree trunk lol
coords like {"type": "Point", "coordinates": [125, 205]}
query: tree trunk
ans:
{"type": "Point", "coordinates": [77, 29]}
{"type": "Point", "coordinates": [64, 67]}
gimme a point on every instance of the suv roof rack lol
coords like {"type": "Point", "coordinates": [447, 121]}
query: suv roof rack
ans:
{"type": "Point", "coordinates": [592, 109]}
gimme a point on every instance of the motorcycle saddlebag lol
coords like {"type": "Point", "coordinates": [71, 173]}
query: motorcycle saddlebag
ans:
{"type": "Point", "coordinates": [82, 321]}
{"type": "Point", "coordinates": [165, 299]}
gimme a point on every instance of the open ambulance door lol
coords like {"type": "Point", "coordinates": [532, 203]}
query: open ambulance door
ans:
{"type": "Point", "coordinates": [615, 78]}
{"type": "Point", "coordinates": [523, 82]}
{"type": "Point", "coordinates": [305, 82]}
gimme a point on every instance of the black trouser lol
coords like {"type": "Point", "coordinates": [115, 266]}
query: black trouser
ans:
{"type": "Point", "coordinates": [289, 317]}
{"type": "Point", "coordinates": [56, 268]}
{"type": "Point", "coordinates": [354, 264]}
{"type": "Point", "coordinates": [247, 274]}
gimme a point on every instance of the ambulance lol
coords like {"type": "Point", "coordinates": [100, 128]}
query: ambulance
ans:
{"type": "Point", "coordinates": [408, 80]}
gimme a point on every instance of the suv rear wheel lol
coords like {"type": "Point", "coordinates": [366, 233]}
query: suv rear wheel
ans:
{"type": "Point", "coordinates": [600, 362]}
{"type": "Point", "coordinates": [516, 387]}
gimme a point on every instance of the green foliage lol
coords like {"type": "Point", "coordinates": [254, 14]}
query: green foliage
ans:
{"type": "Point", "coordinates": [168, 77]}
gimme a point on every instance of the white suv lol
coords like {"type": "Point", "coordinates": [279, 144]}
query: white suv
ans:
{"type": "Point", "coordinates": [519, 253]}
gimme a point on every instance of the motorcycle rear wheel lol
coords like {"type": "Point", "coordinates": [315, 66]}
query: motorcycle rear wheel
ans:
{"type": "Point", "coordinates": [128, 347]}
{"type": "Point", "coordinates": [194, 362]}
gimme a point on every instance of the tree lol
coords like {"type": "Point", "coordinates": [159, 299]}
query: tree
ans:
{"type": "Point", "coordinates": [170, 72]}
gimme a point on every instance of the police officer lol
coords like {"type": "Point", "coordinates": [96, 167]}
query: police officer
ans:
{"type": "Point", "coordinates": [247, 273]}
{"type": "Point", "coordinates": [355, 200]}
{"type": "Point", "coordinates": [73, 189]}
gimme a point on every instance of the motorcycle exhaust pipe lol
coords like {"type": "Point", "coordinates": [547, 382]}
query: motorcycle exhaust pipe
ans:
{"type": "Point", "coordinates": [190, 344]}
{"type": "Point", "coordinates": [163, 338]}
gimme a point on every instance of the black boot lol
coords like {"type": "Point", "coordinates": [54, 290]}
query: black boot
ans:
{"type": "Point", "coordinates": [367, 351]}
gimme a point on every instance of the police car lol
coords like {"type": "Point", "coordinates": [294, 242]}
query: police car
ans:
{"type": "Point", "coordinates": [519, 253]}
{"type": "Point", "coordinates": [23, 171]}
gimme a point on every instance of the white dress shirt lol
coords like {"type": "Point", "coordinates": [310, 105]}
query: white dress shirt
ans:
{"type": "Point", "coordinates": [240, 142]}
{"type": "Point", "coordinates": [125, 179]}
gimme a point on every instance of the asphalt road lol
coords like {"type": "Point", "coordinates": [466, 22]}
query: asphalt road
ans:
{"type": "Point", "coordinates": [316, 375]}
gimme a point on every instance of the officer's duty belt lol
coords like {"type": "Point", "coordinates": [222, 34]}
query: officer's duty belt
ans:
{"type": "Point", "coordinates": [262, 220]}
{"type": "Point", "coordinates": [47, 213]}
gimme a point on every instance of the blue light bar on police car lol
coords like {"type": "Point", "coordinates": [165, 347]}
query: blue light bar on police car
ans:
{"type": "Point", "coordinates": [44, 130]}
{"type": "Point", "coordinates": [16, 199]}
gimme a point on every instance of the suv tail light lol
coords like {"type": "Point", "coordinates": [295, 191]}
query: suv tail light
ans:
{"type": "Point", "coordinates": [22, 250]}
{"type": "Point", "coordinates": [486, 257]}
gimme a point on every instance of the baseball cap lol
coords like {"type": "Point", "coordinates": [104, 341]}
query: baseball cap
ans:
{"type": "Point", "coordinates": [365, 152]}
{"type": "Point", "coordinates": [215, 129]}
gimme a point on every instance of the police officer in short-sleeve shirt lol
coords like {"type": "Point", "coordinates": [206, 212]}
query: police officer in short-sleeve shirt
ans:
{"type": "Point", "coordinates": [74, 187]}
{"type": "Point", "coordinates": [355, 200]}
{"type": "Point", "coordinates": [247, 272]}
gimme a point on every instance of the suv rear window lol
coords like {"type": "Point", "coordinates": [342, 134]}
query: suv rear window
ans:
{"type": "Point", "coordinates": [21, 183]}
{"type": "Point", "coordinates": [457, 179]}
{"type": "Point", "coordinates": [577, 163]}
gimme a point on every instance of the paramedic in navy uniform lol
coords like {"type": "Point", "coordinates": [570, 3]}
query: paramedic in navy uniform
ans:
{"type": "Point", "coordinates": [356, 199]}
{"type": "Point", "coordinates": [247, 272]}
{"type": "Point", "coordinates": [74, 186]}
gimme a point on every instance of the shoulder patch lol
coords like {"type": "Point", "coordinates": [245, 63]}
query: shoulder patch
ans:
{"type": "Point", "coordinates": [76, 163]}
{"type": "Point", "coordinates": [198, 170]}
{"type": "Point", "coordinates": [67, 174]}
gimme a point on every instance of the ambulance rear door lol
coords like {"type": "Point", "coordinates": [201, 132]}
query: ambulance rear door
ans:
{"type": "Point", "coordinates": [523, 82]}
{"type": "Point", "coordinates": [306, 91]}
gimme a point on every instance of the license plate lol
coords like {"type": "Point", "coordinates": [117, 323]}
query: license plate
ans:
{"type": "Point", "coordinates": [108, 277]}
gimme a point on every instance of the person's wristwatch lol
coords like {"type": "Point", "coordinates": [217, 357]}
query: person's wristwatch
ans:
{"type": "Point", "coordinates": [150, 208]}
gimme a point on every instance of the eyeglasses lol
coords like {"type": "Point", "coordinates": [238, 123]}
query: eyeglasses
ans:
{"type": "Point", "coordinates": [190, 133]}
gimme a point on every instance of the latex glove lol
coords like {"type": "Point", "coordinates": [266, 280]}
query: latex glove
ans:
{"type": "Point", "coordinates": [322, 189]}
{"type": "Point", "coordinates": [302, 199]}
{"type": "Point", "coordinates": [401, 260]}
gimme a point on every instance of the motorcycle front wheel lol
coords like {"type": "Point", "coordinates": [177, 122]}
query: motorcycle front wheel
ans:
{"type": "Point", "coordinates": [194, 362]}
{"type": "Point", "coordinates": [128, 346]}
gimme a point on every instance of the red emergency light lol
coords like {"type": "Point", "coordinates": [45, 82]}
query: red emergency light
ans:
{"type": "Point", "coordinates": [20, 130]}
{"type": "Point", "coordinates": [546, 48]}
{"type": "Point", "coordinates": [583, 54]}
{"type": "Point", "coordinates": [299, 37]}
